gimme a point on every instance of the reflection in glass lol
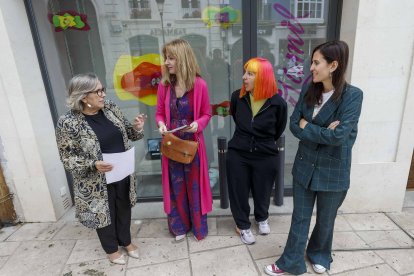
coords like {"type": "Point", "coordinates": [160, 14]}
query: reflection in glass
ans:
{"type": "Point", "coordinates": [296, 28]}
{"type": "Point", "coordinates": [287, 31]}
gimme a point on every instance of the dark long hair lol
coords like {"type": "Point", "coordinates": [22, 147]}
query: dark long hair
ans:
{"type": "Point", "coordinates": [331, 51]}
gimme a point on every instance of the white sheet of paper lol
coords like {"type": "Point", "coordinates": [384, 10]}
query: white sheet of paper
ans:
{"type": "Point", "coordinates": [123, 164]}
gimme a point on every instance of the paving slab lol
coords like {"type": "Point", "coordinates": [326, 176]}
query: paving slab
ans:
{"type": "Point", "coordinates": [213, 242]}
{"type": "Point", "coordinates": [154, 228]}
{"type": "Point", "coordinates": [75, 231]}
{"type": "Point", "coordinates": [341, 225]}
{"type": "Point", "coordinates": [226, 226]}
{"type": "Point", "coordinates": [3, 260]}
{"type": "Point", "coordinates": [376, 270]}
{"type": "Point", "coordinates": [85, 251]}
{"type": "Point", "coordinates": [371, 221]}
{"type": "Point", "coordinates": [411, 232]}
{"type": "Point", "coordinates": [344, 261]}
{"type": "Point", "coordinates": [386, 239]}
{"type": "Point", "coordinates": [6, 232]}
{"type": "Point", "coordinates": [94, 268]}
{"type": "Point", "coordinates": [35, 232]}
{"type": "Point", "coordinates": [267, 246]}
{"type": "Point", "coordinates": [400, 260]}
{"type": "Point", "coordinates": [38, 258]}
{"type": "Point", "coordinates": [230, 261]}
{"type": "Point", "coordinates": [158, 250]}
{"type": "Point", "coordinates": [174, 268]}
{"type": "Point", "coordinates": [279, 224]}
{"type": "Point", "coordinates": [263, 262]}
{"type": "Point", "coordinates": [348, 240]}
{"type": "Point", "coordinates": [135, 227]}
{"type": "Point", "coordinates": [405, 220]}
{"type": "Point", "coordinates": [212, 226]}
{"type": "Point", "coordinates": [7, 248]}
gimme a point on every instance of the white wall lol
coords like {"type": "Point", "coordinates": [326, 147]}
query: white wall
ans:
{"type": "Point", "coordinates": [381, 37]}
{"type": "Point", "coordinates": [28, 154]}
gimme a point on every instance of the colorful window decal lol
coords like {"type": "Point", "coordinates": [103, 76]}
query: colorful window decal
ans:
{"type": "Point", "coordinates": [221, 109]}
{"type": "Point", "coordinates": [224, 17]}
{"type": "Point", "coordinates": [137, 78]}
{"type": "Point", "coordinates": [69, 20]}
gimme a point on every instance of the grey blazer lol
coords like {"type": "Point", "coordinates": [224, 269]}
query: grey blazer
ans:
{"type": "Point", "coordinates": [323, 159]}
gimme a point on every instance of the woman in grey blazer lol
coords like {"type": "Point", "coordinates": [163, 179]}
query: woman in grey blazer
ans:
{"type": "Point", "coordinates": [92, 127]}
{"type": "Point", "coordinates": [325, 120]}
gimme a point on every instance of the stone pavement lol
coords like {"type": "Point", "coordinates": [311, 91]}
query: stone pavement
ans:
{"type": "Point", "coordinates": [364, 244]}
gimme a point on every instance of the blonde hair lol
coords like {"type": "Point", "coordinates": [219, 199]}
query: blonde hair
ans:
{"type": "Point", "coordinates": [187, 68]}
{"type": "Point", "coordinates": [79, 86]}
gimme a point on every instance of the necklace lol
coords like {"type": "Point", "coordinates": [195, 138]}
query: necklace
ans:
{"type": "Point", "coordinates": [90, 113]}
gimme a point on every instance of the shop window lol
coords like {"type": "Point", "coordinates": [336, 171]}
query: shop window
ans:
{"type": "Point", "coordinates": [309, 11]}
{"type": "Point", "coordinates": [139, 9]}
{"type": "Point", "coordinates": [191, 8]}
{"type": "Point", "coordinates": [284, 36]}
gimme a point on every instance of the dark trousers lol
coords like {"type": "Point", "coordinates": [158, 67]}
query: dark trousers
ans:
{"type": "Point", "coordinates": [320, 243]}
{"type": "Point", "coordinates": [118, 232]}
{"type": "Point", "coordinates": [247, 172]}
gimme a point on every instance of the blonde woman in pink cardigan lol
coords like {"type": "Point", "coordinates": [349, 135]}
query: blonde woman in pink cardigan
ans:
{"type": "Point", "coordinates": [183, 100]}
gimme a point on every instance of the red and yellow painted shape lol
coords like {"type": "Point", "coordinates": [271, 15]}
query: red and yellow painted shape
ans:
{"type": "Point", "coordinates": [137, 78]}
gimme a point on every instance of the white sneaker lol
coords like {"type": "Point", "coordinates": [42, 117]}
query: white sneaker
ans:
{"type": "Point", "coordinates": [247, 236]}
{"type": "Point", "coordinates": [318, 268]}
{"type": "Point", "coordinates": [264, 227]}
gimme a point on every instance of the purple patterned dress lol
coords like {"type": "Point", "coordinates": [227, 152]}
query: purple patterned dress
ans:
{"type": "Point", "coordinates": [184, 178]}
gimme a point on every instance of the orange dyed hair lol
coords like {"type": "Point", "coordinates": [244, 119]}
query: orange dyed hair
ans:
{"type": "Point", "coordinates": [264, 83]}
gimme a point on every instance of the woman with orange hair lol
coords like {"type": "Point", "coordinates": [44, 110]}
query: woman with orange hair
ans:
{"type": "Point", "coordinates": [260, 115]}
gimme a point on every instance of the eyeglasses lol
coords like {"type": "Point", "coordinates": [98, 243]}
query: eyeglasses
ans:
{"type": "Point", "coordinates": [99, 92]}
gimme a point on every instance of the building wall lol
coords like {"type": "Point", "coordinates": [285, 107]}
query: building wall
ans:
{"type": "Point", "coordinates": [381, 36]}
{"type": "Point", "coordinates": [28, 151]}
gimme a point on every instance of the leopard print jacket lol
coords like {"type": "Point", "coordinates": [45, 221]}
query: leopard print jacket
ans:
{"type": "Point", "coordinates": [79, 149]}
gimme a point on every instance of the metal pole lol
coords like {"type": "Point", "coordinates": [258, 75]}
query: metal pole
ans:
{"type": "Point", "coordinates": [162, 28]}
{"type": "Point", "coordinates": [280, 178]}
{"type": "Point", "coordinates": [224, 192]}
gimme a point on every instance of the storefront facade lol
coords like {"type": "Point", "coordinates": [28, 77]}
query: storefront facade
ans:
{"type": "Point", "coordinates": [47, 42]}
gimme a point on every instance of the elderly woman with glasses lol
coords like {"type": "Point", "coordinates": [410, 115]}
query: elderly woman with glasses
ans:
{"type": "Point", "coordinates": [91, 127]}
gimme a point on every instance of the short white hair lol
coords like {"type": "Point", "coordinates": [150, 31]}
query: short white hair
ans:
{"type": "Point", "coordinates": [79, 86]}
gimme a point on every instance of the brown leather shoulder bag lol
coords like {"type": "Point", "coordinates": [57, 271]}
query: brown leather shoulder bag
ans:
{"type": "Point", "coordinates": [177, 149]}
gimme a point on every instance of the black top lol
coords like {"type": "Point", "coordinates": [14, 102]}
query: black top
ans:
{"type": "Point", "coordinates": [259, 133]}
{"type": "Point", "coordinates": [109, 136]}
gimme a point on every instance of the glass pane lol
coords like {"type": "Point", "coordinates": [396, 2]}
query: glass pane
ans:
{"type": "Point", "coordinates": [287, 41]}
{"type": "Point", "coordinates": [122, 46]}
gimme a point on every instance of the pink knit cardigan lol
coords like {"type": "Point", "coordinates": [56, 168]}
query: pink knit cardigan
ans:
{"type": "Point", "coordinates": [202, 115]}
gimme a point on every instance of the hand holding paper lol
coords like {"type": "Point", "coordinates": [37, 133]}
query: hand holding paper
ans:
{"type": "Point", "coordinates": [123, 164]}
{"type": "Point", "coordinates": [102, 166]}
{"type": "Point", "coordinates": [183, 128]}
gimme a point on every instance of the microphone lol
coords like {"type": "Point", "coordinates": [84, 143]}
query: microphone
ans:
{"type": "Point", "coordinates": [89, 105]}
